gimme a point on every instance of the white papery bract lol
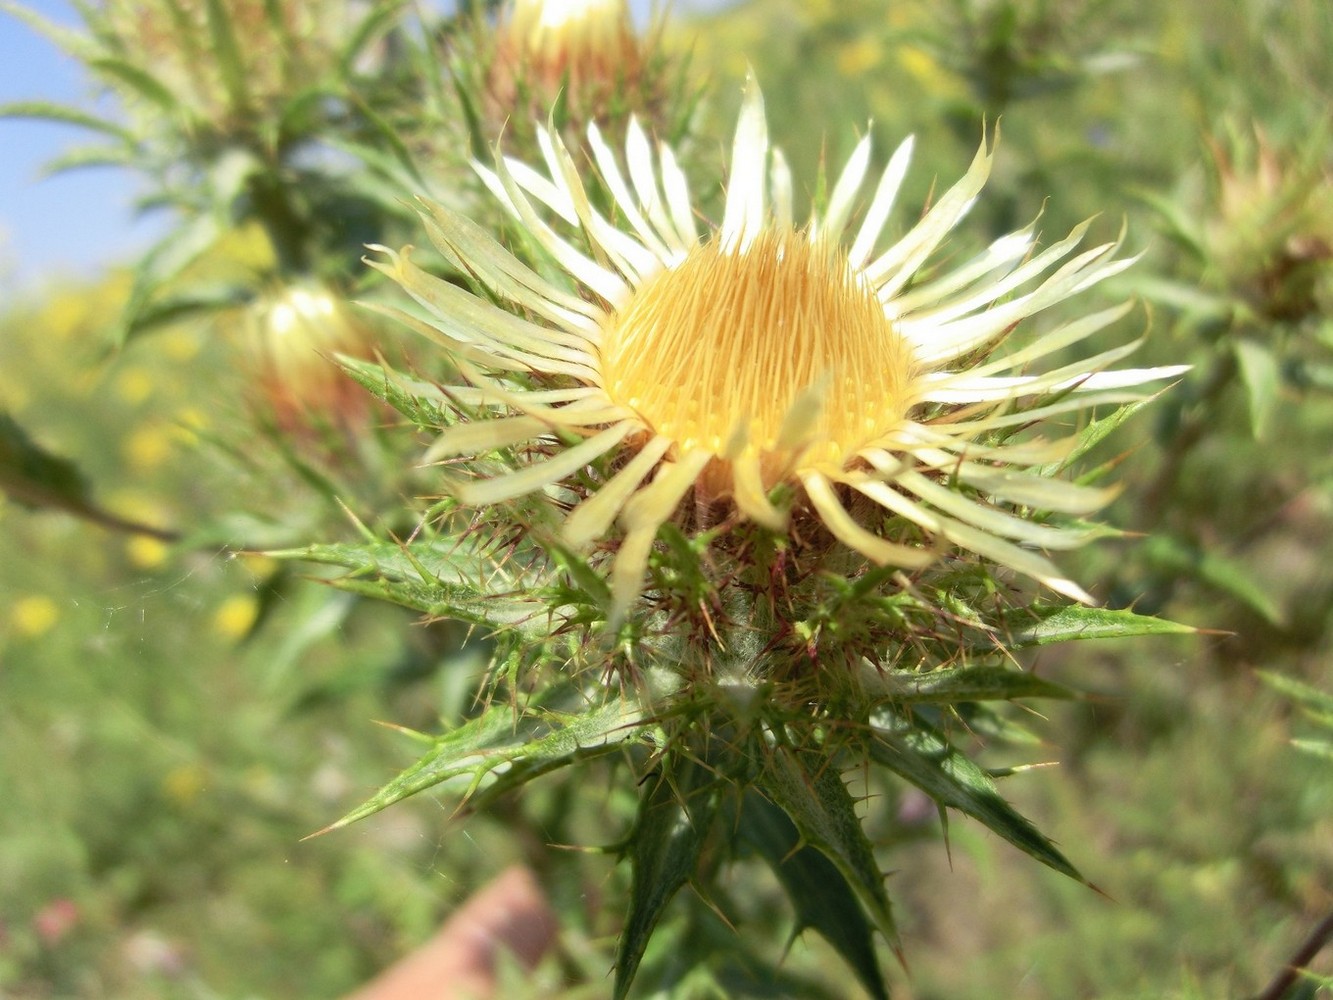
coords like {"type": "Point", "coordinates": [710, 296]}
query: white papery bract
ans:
{"type": "Point", "coordinates": [725, 362]}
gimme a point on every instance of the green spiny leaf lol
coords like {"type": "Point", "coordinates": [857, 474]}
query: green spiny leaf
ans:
{"type": "Point", "coordinates": [589, 586]}
{"type": "Point", "coordinates": [84, 157]}
{"type": "Point", "coordinates": [166, 260]}
{"type": "Point", "coordinates": [1043, 625]}
{"type": "Point", "coordinates": [385, 178]}
{"type": "Point", "coordinates": [201, 301]}
{"type": "Point", "coordinates": [676, 813]}
{"type": "Point", "coordinates": [823, 899]}
{"type": "Point", "coordinates": [809, 789]}
{"type": "Point", "coordinates": [373, 26]}
{"type": "Point", "coordinates": [1096, 432]}
{"type": "Point", "coordinates": [1181, 225]}
{"type": "Point", "coordinates": [505, 747]}
{"type": "Point", "coordinates": [1210, 567]}
{"type": "Point", "coordinates": [478, 143]}
{"type": "Point", "coordinates": [444, 577]}
{"type": "Point", "coordinates": [955, 684]}
{"type": "Point", "coordinates": [35, 478]}
{"type": "Point", "coordinates": [303, 112]}
{"type": "Point", "coordinates": [392, 141]}
{"type": "Point", "coordinates": [921, 755]}
{"type": "Point", "coordinates": [421, 402]}
{"type": "Point", "coordinates": [1307, 697]}
{"type": "Point", "coordinates": [75, 43]}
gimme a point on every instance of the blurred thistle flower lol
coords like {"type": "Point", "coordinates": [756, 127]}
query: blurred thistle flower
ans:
{"type": "Point", "coordinates": [237, 113]}
{"type": "Point", "coordinates": [1271, 234]}
{"type": "Point", "coordinates": [230, 66]}
{"type": "Point", "coordinates": [293, 335]}
{"type": "Point", "coordinates": [582, 57]}
{"type": "Point", "coordinates": [571, 39]}
{"type": "Point", "coordinates": [767, 357]}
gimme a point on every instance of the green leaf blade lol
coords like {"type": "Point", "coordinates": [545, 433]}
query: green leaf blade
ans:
{"type": "Point", "coordinates": [63, 114]}
{"type": "Point", "coordinates": [809, 789]}
{"type": "Point", "coordinates": [1262, 379]}
{"type": "Point", "coordinates": [1044, 625]}
{"type": "Point", "coordinates": [823, 899]}
{"type": "Point", "coordinates": [955, 684]}
{"type": "Point", "coordinates": [442, 577]}
{"type": "Point", "coordinates": [504, 748]}
{"type": "Point", "coordinates": [226, 48]}
{"type": "Point", "coordinates": [676, 814]}
{"type": "Point", "coordinates": [34, 477]}
{"type": "Point", "coordinates": [139, 82]}
{"type": "Point", "coordinates": [923, 757]}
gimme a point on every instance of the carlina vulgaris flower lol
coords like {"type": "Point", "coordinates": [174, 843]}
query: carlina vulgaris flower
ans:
{"type": "Point", "coordinates": [293, 333]}
{"type": "Point", "coordinates": [570, 36]}
{"type": "Point", "coordinates": [584, 54]}
{"type": "Point", "coordinates": [763, 353]}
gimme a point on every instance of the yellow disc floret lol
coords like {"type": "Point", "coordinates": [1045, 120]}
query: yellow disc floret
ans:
{"type": "Point", "coordinates": [726, 350]}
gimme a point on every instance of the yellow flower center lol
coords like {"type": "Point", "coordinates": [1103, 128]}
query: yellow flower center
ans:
{"type": "Point", "coordinates": [781, 343]}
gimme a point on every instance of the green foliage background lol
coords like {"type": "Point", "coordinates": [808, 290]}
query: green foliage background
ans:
{"type": "Point", "coordinates": [175, 720]}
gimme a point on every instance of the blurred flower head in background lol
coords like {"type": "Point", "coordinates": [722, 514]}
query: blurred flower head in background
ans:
{"type": "Point", "coordinates": [293, 335]}
{"type": "Point", "coordinates": [571, 40]}
{"type": "Point", "coordinates": [227, 76]}
{"type": "Point", "coordinates": [1271, 231]}
{"type": "Point", "coordinates": [576, 61]}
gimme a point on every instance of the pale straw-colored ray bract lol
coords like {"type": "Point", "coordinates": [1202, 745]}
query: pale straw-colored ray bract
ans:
{"type": "Point", "coordinates": [762, 352]}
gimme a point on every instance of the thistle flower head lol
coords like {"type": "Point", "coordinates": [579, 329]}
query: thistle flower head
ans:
{"type": "Point", "coordinates": [721, 364]}
{"type": "Point", "coordinates": [293, 334]}
{"type": "Point", "coordinates": [285, 45]}
{"type": "Point", "coordinates": [583, 55]}
{"type": "Point", "coordinates": [1271, 233]}
{"type": "Point", "coordinates": [578, 37]}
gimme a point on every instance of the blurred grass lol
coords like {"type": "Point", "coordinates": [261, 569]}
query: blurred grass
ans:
{"type": "Point", "coordinates": [162, 760]}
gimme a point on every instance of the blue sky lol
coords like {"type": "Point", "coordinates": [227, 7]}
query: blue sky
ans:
{"type": "Point", "coordinates": [77, 222]}
{"type": "Point", "coordinates": [68, 224]}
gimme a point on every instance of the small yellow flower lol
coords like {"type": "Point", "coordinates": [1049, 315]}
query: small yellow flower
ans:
{"type": "Point", "coordinates": [180, 344]}
{"type": "Point", "coordinates": [33, 616]}
{"type": "Point", "coordinates": [235, 616]}
{"type": "Point", "coordinates": [144, 552]}
{"type": "Point", "coordinates": [148, 447]}
{"type": "Point", "coordinates": [184, 783]}
{"type": "Point", "coordinates": [134, 385]}
{"type": "Point", "coordinates": [138, 506]}
{"type": "Point", "coordinates": [65, 316]}
{"type": "Point", "coordinates": [928, 72]}
{"type": "Point", "coordinates": [766, 353]}
{"type": "Point", "coordinates": [260, 567]}
{"type": "Point", "coordinates": [859, 56]}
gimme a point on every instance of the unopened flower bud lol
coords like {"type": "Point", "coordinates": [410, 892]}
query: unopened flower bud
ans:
{"type": "Point", "coordinates": [293, 337]}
